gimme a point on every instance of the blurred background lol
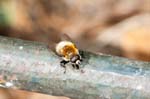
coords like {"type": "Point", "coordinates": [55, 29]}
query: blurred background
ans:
{"type": "Point", "coordinates": [115, 27]}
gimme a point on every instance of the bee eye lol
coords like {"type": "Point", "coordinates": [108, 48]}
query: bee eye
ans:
{"type": "Point", "coordinates": [73, 59]}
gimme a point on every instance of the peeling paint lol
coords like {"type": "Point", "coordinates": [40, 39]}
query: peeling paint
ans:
{"type": "Point", "coordinates": [21, 47]}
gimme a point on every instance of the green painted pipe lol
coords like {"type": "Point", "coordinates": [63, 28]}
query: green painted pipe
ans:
{"type": "Point", "coordinates": [31, 66]}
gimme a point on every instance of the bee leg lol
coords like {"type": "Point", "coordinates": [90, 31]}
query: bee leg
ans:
{"type": "Point", "coordinates": [75, 66]}
{"type": "Point", "coordinates": [63, 64]}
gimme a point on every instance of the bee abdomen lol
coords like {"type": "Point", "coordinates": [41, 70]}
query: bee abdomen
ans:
{"type": "Point", "coordinates": [64, 48]}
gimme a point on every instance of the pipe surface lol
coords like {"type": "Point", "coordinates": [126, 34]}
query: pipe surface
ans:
{"type": "Point", "coordinates": [30, 66]}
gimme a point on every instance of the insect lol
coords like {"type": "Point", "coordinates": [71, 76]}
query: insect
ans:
{"type": "Point", "coordinates": [69, 53]}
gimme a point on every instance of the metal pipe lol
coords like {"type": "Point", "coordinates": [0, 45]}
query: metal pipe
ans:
{"type": "Point", "coordinates": [31, 66]}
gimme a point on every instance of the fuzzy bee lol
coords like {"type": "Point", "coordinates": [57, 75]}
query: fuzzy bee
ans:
{"type": "Point", "coordinates": [66, 49]}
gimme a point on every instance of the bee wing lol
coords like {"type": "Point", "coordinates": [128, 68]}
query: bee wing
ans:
{"type": "Point", "coordinates": [65, 37]}
{"type": "Point", "coordinates": [53, 43]}
{"type": "Point", "coordinates": [58, 38]}
{"type": "Point", "coordinates": [53, 40]}
{"type": "Point", "coordinates": [51, 46]}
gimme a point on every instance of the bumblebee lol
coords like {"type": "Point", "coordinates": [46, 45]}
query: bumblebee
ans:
{"type": "Point", "coordinates": [69, 53]}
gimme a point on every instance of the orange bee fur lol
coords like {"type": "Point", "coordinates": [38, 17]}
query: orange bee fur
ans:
{"type": "Point", "coordinates": [66, 49]}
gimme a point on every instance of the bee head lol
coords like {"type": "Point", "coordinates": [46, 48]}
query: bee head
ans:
{"type": "Point", "coordinates": [76, 59]}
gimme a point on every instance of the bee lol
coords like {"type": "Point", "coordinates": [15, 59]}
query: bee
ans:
{"type": "Point", "coordinates": [69, 53]}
